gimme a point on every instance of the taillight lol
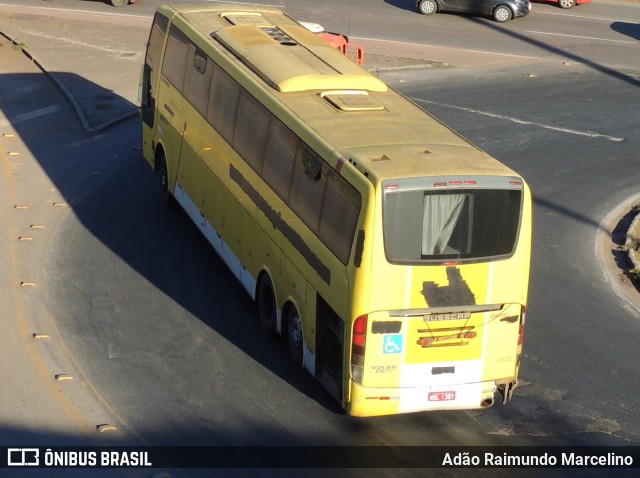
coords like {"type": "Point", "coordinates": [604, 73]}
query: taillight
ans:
{"type": "Point", "coordinates": [358, 344]}
{"type": "Point", "coordinates": [359, 336]}
{"type": "Point", "coordinates": [522, 321]}
{"type": "Point", "coordinates": [520, 334]}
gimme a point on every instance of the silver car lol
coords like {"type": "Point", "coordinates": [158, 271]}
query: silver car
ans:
{"type": "Point", "coordinates": [500, 10]}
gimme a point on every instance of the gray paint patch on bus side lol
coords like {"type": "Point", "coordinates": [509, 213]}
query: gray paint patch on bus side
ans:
{"type": "Point", "coordinates": [457, 292]}
{"type": "Point", "coordinates": [279, 224]}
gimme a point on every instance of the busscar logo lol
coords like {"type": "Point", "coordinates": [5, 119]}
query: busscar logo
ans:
{"type": "Point", "coordinates": [23, 457]}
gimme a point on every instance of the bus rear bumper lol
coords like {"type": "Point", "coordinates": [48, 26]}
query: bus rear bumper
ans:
{"type": "Point", "coordinates": [366, 402]}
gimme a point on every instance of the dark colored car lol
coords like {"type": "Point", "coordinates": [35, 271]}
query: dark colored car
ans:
{"type": "Point", "coordinates": [500, 10]}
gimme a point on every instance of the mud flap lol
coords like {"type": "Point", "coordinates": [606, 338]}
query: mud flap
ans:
{"type": "Point", "coordinates": [330, 349]}
{"type": "Point", "coordinates": [506, 389]}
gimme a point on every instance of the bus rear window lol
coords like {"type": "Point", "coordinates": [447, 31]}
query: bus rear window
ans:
{"type": "Point", "coordinates": [452, 224]}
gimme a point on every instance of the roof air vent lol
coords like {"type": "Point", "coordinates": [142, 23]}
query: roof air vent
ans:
{"type": "Point", "coordinates": [279, 36]}
{"type": "Point", "coordinates": [244, 18]}
{"type": "Point", "coordinates": [352, 101]}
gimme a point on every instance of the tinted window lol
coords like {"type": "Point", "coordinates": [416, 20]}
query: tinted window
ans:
{"type": "Point", "coordinates": [252, 123]}
{"type": "Point", "coordinates": [279, 158]}
{"type": "Point", "coordinates": [307, 187]}
{"type": "Point", "coordinates": [223, 103]}
{"type": "Point", "coordinates": [340, 209]}
{"type": "Point", "coordinates": [175, 58]}
{"type": "Point", "coordinates": [424, 225]}
{"type": "Point", "coordinates": [198, 79]}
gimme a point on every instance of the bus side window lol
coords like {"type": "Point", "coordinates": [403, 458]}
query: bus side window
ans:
{"type": "Point", "coordinates": [279, 158]}
{"type": "Point", "coordinates": [175, 58]}
{"type": "Point", "coordinates": [198, 79]}
{"type": "Point", "coordinates": [340, 210]}
{"type": "Point", "coordinates": [307, 190]}
{"type": "Point", "coordinates": [223, 103]}
{"type": "Point", "coordinates": [250, 137]}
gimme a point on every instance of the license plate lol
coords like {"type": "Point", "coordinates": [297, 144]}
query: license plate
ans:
{"type": "Point", "coordinates": [441, 396]}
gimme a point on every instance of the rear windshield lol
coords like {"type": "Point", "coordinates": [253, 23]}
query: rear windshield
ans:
{"type": "Point", "coordinates": [450, 224]}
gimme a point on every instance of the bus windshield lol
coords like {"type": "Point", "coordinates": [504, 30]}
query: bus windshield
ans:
{"type": "Point", "coordinates": [425, 225]}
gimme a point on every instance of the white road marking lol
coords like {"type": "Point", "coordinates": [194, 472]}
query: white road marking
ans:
{"type": "Point", "coordinates": [589, 134]}
{"type": "Point", "coordinates": [127, 54]}
{"type": "Point", "coordinates": [23, 90]}
{"type": "Point", "coordinates": [426, 45]}
{"type": "Point", "coordinates": [581, 37]}
{"type": "Point", "coordinates": [585, 17]}
{"type": "Point", "coordinates": [28, 116]}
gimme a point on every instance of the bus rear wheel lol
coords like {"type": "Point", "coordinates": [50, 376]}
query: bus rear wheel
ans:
{"type": "Point", "coordinates": [119, 3]}
{"type": "Point", "coordinates": [266, 305]}
{"type": "Point", "coordinates": [163, 174]}
{"type": "Point", "coordinates": [294, 335]}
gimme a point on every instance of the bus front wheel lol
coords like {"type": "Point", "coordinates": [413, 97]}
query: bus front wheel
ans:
{"type": "Point", "coordinates": [266, 305]}
{"type": "Point", "coordinates": [294, 335]}
{"type": "Point", "coordinates": [163, 174]}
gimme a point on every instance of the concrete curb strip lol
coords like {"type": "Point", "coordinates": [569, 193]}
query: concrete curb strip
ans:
{"type": "Point", "coordinates": [63, 87]}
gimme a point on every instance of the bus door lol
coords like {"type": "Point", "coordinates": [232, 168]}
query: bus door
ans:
{"type": "Point", "coordinates": [196, 149]}
{"type": "Point", "coordinates": [171, 121]}
{"type": "Point", "coordinates": [149, 79]}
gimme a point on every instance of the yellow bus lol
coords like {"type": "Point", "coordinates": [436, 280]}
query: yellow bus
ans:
{"type": "Point", "coordinates": [390, 254]}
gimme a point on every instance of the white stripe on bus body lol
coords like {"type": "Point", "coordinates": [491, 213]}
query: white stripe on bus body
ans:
{"type": "Point", "coordinates": [234, 264]}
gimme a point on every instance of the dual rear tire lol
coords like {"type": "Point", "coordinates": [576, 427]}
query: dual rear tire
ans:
{"type": "Point", "coordinates": [267, 313]}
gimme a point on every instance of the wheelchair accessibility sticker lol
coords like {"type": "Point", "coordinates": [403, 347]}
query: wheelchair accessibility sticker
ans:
{"type": "Point", "coordinates": [392, 344]}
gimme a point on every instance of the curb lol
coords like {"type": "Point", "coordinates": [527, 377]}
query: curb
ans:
{"type": "Point", "coordinates": [70, 97]}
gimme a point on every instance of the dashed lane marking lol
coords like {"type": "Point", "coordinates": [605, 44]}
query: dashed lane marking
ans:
{"type": "Point", "coordinates": [23, 90]}
{"type": "Point", "coordinates": [29, 116]}
{"type": "Point", "coordinates": [590, 134]}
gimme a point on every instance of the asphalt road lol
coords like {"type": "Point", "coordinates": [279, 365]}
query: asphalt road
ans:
{"type": "Point", "coordinates": [164, 345]}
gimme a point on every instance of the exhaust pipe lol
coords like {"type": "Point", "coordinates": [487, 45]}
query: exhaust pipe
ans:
{"type": "Point", "coordinates": [486, 402]}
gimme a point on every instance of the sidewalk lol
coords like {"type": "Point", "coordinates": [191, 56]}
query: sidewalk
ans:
{"type": "Point", "coordinates": [98, 69]}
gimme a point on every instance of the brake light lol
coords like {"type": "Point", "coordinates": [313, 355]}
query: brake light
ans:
{"type": "Point", "coordinates": [520, 334]}
{"type": "Point", "coordinates": [456, 182]}
{"type": "Point", "coordinates": [358, 344]}
{"type": "Point", "coordinates": [521, 329]}
{"type": "Point", "coordinates": [359, 340]}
